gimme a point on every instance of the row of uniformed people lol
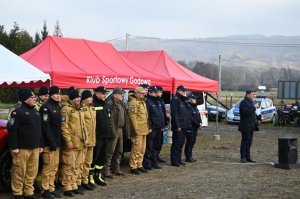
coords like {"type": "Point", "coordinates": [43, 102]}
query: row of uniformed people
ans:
{"type": "Point", "coordinates": [87, 130]}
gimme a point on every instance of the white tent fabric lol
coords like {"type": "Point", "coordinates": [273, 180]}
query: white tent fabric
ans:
{"type": "Point", "coordinates": [14, 69]}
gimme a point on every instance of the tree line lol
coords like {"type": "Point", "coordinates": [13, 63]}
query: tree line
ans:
{"type": "Point", "coordinates": [19, 41]}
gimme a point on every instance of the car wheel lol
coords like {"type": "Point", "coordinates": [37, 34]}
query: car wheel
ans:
{"type": "Point", "coordinates": [5, 171]}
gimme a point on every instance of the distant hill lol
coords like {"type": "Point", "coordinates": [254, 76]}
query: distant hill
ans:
{"type": "Point", "coordinates": [255, 51]}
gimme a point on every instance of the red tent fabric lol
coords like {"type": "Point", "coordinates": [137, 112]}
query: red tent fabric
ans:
{"type": "Point", "coordinates": [89, 64]}
{"type": "Point", "coordinates": [159, 62]}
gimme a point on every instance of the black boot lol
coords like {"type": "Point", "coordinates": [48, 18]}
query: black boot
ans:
{"type": "Point", "coordinates": [88, 187]}
{"type": "Point", "coordinates": [69, 193]}
{"type": "Point", "coordinates": [250, 160]}
{"type": "Point", "coordinates": [99, 179]}
{"type": "Point", "coordinates": [160, 160]}
{"type": "Point", "coordinates": [56, 194]}
{"type": "Point", "coordinates": [46, 194]}
{"type": "Point", "coordinates": [80, 190]}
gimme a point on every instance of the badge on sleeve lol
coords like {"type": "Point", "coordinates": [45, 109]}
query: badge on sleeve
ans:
{"type": "Point", "coordinates": [45, 117]}
{"type": "Point", "coordinates": [132, 109]}
{"type": "Point", "coordinates": [63, 118]}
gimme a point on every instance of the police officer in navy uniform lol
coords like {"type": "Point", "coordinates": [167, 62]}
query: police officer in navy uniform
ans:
{"type": "Point", "coordinates": [247, 125]}
{"type": "Point", "coordinates": [196, 124]}
{"type": "Point", "coordinates": [156, 124]}
{"type": "Point", "coordinates": [25, 133]}
{"type": "Point", "coordinates": [158, 145]}
{"type": "Point", "coordinates": [181, 124]}
{"type": "Point", "coordinates": [51, 126]}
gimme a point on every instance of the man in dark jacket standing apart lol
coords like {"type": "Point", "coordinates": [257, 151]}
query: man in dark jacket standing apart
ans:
{"type": "Point", "coordinates": [120, 126]}
{"type": "Point", "coordinates": [51, 126]}
{"type": "Point", "coordinates": [181, 124]}
{"type": "Point", "coordinates": [25, 132]}
{"type": "Point", "coordinates": [247, 125]}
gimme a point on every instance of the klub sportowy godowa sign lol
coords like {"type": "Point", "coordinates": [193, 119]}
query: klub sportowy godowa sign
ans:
{"type": "Point", "coordinates": [105, 80]}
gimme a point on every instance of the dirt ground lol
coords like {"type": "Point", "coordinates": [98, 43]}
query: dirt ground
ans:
{"type": "Point", "coordinates": [217, 172]}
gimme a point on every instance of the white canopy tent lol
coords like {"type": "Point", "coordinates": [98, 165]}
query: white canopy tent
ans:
{"type": "Point", "coordinates": [16, 71]}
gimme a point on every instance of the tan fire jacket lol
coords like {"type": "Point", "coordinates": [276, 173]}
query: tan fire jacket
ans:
{"type": "Point", "coordinates": [138, 116]}
{"type": "Point", "coordinates": [90, 124]}
{"type": "Point", "coordinates": [73, 126]}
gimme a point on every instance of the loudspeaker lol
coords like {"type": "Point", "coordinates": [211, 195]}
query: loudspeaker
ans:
{"type": "Point", "coordinates": [287, 153]}
{"type": "Point", "coordinates": [287, 148]}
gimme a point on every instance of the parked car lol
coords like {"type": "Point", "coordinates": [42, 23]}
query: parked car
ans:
{"type": "Point", "coordinates": [265, 113]}
{"type": "Point", "coordinates": [212, 112]}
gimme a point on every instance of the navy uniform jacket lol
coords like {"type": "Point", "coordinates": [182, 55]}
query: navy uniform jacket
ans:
{"type": "Point", "coordinates": [24, 128]}
{"type": "Point", "coordinates": [180, 114]}
{"type": "Point", "coordinates": [248, 116]}
{"type": "Point", "coordinates": [51, 124]}
{"type": "Point", "coordinates": [196, 119]}
{"type": "Point", "coordinates": [155, 113]}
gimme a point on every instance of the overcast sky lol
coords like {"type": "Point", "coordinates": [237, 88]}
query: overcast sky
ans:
{"type": "Point", "coordinates": [103, 20]}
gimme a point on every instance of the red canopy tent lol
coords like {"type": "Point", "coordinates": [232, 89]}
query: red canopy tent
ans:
{"type": "Point", "coordinates": [159, 62]}
{"type": "Point", "coordinates": [88, 64]}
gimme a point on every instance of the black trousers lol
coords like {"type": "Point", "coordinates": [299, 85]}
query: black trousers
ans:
{"type": "Point", "coordinates": [152, 143]}
{"type": "Point", "coordinates": [178, 139]}
{"type": "Point", "coordinates": [246, 142]}
{"type": "Point", "coordinates": [191, 137]}
{"type": "Point", "coordinates": [158, 143]}
{"type": "Point", "coordinates": [99, 153]}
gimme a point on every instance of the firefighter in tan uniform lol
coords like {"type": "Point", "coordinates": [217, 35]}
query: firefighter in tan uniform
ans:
{"type": "Point", "coordinates": [25, 132]}
{"type": "Point", "coordinates": [74, 138]}
{"type": "Point", "coordinates": [90, 125]}
{"type": "Point", "coordinates": [140, 129]}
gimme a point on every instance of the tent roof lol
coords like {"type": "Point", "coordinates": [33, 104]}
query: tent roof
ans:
{"type": "Point", "coordinates": [88, 64]}
{"type": "Point", "coordinates": [15, 72]}
{"type": "Point", "coordinates": [159, 62]}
